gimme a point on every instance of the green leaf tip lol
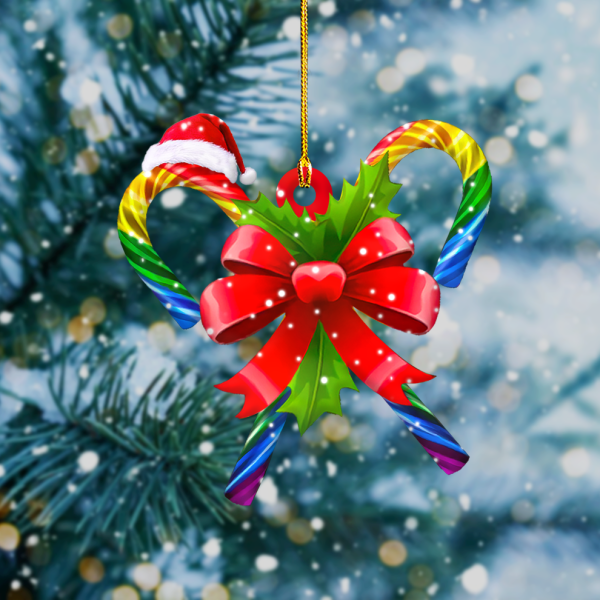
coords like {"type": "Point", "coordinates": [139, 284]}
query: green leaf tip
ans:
{"type": "Point", "coordinates": [300, 235]}
{"type": "Point", "coordinates": [317, 384]}
{"type": "Point", "coordinates": [327, 237]}
{"type": "Point", "coordinates": [359, 205]}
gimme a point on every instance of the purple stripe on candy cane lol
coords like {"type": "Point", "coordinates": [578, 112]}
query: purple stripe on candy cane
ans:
{"type": "Point", "coordinates": [244, 493]}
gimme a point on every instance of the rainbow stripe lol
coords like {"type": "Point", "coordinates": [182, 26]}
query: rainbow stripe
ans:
{"type": "Point", "coordinates": [254, 459]}
{"type": "Point", "coordinates": [133, 233]}
{"type": "Point", "coordinates": [477, 186]}
{"type": "Point", "coordinates": [459, 246]}
{"type": "Point", "coordinates": [430, 433]}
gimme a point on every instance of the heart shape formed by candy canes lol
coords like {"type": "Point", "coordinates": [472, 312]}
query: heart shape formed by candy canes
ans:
{"type": "Point", "coordinates": [212, 171]}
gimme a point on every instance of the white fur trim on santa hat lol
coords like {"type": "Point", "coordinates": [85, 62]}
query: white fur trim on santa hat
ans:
{"type": "Point", "coordinates": [193, 152]}
{"type": "Point", "coordinates": [248, 176]}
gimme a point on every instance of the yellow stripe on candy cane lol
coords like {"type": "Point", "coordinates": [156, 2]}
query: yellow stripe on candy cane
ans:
{"type": "Point", "coordinates": [432, 134]}
{"type": "Point", "coordinates": [135, 201]}
{"type": "Point", "coordinates": [133, 209]}
{"type": "Point", "coordinates": [465, 151]}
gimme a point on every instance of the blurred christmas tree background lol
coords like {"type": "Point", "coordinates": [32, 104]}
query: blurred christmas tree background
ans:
{"type": "Point", "coordinates": [114, 447]}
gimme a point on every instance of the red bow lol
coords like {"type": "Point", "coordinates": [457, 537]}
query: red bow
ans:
{"type": "Point", "coordinates": [268, 283]}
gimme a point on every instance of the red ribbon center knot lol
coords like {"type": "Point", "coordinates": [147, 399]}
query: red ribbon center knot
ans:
{"type": "Point", "coordinates": [319, 280]}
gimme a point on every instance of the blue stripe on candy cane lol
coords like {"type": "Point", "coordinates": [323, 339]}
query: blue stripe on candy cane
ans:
{"type": "Point", "coordinates": [435, 433]}
{"type": "Point", "coordinates": [256, 457]}
{"type": "Point", "coordinates": [473, 229]}
{"type": "Point", "coordinates": [185, 304]}
{"type": "Point", "coordinates": [242, 486]}
{"type": "Point", "coordinates": [416, 420]}
{"type": "Point", "coordinates": [456, 253]}
{"type": "Point", "coordinates": [430, 433]}
{"type": "Point", "coordinates": [184, 310]}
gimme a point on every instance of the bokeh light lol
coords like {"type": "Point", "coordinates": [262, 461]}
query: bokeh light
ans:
{"type": "Point", "coordinates": [10, 538]}
{"type": "Point", "coordinates": [393, 553]}
{"type": "Point", "coordinates": [529, 88]}
{"type": "Point", "coordinates": [161, 336]}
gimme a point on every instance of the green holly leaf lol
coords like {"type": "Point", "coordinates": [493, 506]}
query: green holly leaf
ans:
{"type": "Point", "coordinates": [317, 383]}
{"type": "Point", "coordinates": [300, 235]}
{"type": "Point", "coordinates": [328, 236]}
{"type": "Point", "coordinates": [358, 206]}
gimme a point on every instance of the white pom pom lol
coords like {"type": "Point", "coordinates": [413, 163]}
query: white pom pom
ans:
{"type": "Point", "coordinates": [248, 176]}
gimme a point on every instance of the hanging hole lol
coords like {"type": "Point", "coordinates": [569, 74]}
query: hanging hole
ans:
{"type": "Point", "coordinates": [304, 196]}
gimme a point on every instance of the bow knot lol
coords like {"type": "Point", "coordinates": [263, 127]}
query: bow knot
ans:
{"type": "Point", "coordinates": [369, 276]}
{"type": "Point", "coordinates": [319, 280]}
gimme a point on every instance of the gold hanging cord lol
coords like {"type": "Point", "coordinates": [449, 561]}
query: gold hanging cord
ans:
{"type": "Point", "coordinates": [304, 160]}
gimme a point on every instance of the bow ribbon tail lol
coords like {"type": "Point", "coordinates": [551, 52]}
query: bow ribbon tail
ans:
{"type": "Point", "coordinates": [379, 367]}
{"type": "Point", "coordinates": [263, 379]}
{"type": "Point", "coordinates": [375, 363]}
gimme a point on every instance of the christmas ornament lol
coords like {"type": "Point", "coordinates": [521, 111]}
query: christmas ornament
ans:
{"type": "Point", "coordinates": [315, 266]}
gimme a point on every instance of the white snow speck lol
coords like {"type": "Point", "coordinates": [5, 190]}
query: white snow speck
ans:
{"type": "Point", "coordinates": [268, 492]}
{"type": "Point", "coordinates": [88, 461]}
{"type": "Point", "coordinates": [212, 547]}
{"type": "Point", "coordinates": [327, 8]}
{"type": "Point", "coordinates": [89, 91]}
{"type": "Point", "coordinates": [266, 563]}
{"type": "Point", "coordinates": [331, 468]}
{"type": "Point", "coordinates": [475, 579]}
{"type": "Point", "coordinates": [206, 447]}
{"type": "Point", "coordinates": [465, 501]}
{"type": "Point", "coordinates": [178, 90]}
{"type": "Point", "coordinates": [5, 317]}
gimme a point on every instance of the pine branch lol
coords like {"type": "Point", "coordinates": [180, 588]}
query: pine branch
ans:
{"type": "Point", "coordinates": [155, 463]}
{"type": "Point", "coordinates": [213, 44]}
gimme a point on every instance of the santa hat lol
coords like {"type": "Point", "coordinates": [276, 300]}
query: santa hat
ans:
{"type": "Point", "coordinates": [203, 140]}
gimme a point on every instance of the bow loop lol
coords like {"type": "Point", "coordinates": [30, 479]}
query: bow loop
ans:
{"type": "Point", "coordinates": [235, 307]}
{"type": "Point", "coordinates": [400, 297]}
{"type": "Point", "coordinates": [251, 250]}
{"type": "Point", "coordinates": [268, 283]}
{"type": "Point", "coordinates": [383, 243]}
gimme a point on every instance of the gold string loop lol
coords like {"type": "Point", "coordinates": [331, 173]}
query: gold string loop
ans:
{"type": "Point", "coordinates": [304, 177]}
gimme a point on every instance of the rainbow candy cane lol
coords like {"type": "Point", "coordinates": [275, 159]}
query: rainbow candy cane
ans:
{"type": "Point", "coordinates": [134, 236]}
{"type": "Point", "coordinates": [475, 204]}
{"type": "Point", "coordinates": [182, 306]}
{"type": "Point", "coordinates": [421, 422]}
{"type": "Point", "coordinates": [477, 187]}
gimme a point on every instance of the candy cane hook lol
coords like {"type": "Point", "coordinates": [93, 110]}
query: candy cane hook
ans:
{"type": "Point", "coordinates": [450, 268]}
